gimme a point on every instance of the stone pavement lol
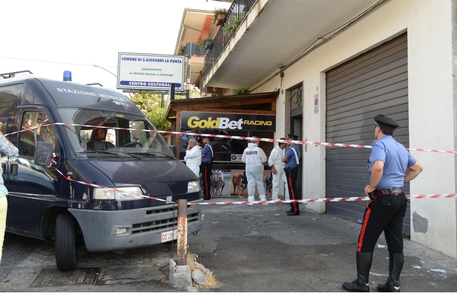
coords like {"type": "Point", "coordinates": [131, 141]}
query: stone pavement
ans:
{"type": "Point", "coordinates": [247, 248]}
{"type": "Point", "coordinates": [144, 269]}
{"type": "Point", "coordinates": [260, 248]}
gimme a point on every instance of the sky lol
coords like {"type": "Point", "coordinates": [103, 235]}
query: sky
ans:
{"type": "Point", "coordinates": [49, 37]}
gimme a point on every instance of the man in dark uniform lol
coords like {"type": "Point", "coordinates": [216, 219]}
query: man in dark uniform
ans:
{"type": "Point", "coordinates": [292, 160]}
{"type": "Point", "coordinates": [390, 166]}
{"type": "Point", "coordinates": [206, 167]}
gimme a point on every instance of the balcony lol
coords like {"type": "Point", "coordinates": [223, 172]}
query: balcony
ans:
{"type": "Point", "coordinates": [235, 15]}
{"type": "Point", "coordinates": [271, 35]}
{"type": "Point", "coordinates": [196, 25]}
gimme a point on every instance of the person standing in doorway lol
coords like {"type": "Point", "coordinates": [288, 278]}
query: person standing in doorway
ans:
{"type": "Point", "coordinates": [7, 148]}
{"type": "Point", "coordinates": [292, 160]}
{"type": "Point", "coordinates": [207, 167]}
{"type": "Point", "coordinates": [277, 170]}
{"type": "Point", "coordinates": [193, 156]}
{"type": "Point", "coordinates": [390, 165]}
{"type": "Point", "coordinates": [254, 157]}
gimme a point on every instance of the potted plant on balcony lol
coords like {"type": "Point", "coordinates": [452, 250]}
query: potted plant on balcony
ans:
{"type": "Point", "coordinates": [206, 43]}
{"type": "Point", "coordinates": [219, 16]}
{"type": "Point", "coordinates": [181, 50]}
{"type": "Point", "coordinates": [231, 25]}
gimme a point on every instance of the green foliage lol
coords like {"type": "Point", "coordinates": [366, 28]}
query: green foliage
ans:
{"type": "Point", "coordinates": [157, 117]}
{"type": "Point", "coordinates": [231, 25]}
{"type": "Point", "coordinates": [151, 105]}
{"type": "Point", "coordinates": [217, 12]}
{"type": "Point", "coordinates": [181, 50]}
{"type": "Point", "coordinates": [147, 102]}
{"type": "Point", "coordinates": [155, 108]}
{"type": "Point", "coordinates": [241, 91]}
{"type": "Point", "coordinates": [202, 42]}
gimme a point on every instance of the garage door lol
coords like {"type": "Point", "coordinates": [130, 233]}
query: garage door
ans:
{"type": "Point", "coordinates": [375, 82]}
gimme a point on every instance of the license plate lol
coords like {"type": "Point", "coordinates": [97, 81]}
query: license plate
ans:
{"type": "Point", "coordinates": [169, 235]}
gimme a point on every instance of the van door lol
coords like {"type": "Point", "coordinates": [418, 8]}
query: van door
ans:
{"type": "Point", "coordinates": [32, 188]}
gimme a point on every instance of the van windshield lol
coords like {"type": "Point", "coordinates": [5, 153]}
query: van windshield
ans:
{"type": "Point", "coordinates": [110, 134]}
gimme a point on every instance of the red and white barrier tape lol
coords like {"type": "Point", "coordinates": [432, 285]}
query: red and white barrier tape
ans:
{"type": "Point", "coordinates": [322, 200]}
{"type": "Point", "coordinates": [105, 187]}
{"type": "Point", "coordinates": [319, 200]}
{"type": "Point", "coordinates": [317, 143]}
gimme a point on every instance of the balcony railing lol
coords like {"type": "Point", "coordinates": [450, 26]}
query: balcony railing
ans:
{"type": "Point", "coordinates": [234, 17]}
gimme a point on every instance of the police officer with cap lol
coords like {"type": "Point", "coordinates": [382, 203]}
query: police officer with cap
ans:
{"type": "Point", "coordinates": [390, 166]}
{"type": "Point", "coordinates": [292, 160]}
{"type": "Point", "coordinates": [206, 167]}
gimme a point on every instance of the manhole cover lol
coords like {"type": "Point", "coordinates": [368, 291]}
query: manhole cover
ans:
{"type": "Point", "coordinates": [54, 277]}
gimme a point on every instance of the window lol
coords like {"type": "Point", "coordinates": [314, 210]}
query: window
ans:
{"type": "Point", "coordinates": [29, 138]}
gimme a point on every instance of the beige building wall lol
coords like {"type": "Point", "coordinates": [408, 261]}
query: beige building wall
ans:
{"type": "Point", "coordinates": [429, 27]}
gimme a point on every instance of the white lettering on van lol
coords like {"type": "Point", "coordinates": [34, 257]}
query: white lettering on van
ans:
{"type": "Point", "coordinates": [90, 93]}
{"type": "Point", "coordinates": [74, 91]}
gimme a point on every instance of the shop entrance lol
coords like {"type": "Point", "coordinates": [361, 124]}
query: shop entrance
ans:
{"type": "Point", "coordinates": [230, 119]}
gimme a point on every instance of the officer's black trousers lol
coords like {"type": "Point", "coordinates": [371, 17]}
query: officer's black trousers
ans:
{"type": "Point", "coordinates": [384, 213]}
{"type": "Point", "coordinates": [292, 175]}
{"type": "Point", "coordinates": [205, 169]}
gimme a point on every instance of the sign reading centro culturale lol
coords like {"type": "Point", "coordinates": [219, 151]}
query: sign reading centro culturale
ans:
{"type": "Point", "coordinates": [219, 121]}
{"type": "Point", "coordinates": [150, 71]}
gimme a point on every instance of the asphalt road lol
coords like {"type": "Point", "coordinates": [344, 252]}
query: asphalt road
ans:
{"type": "Point", "coordinates": [247, 249]}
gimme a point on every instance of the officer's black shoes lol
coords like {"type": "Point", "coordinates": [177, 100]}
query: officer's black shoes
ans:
{"type": "Point", "coordinates": [289, 211]}
{"type": "Point", "coordinates": [396, 261]}
{"type": "Point", "coordinates": [356, 286]}
{"type": "Point", "coordinates": [363, 261]}
{"type": "Point", "coordinates": [389, 286]}
{"type": "Point", "coordinates": [292, 214]}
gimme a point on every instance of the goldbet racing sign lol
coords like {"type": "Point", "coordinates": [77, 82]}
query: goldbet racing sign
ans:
{"type": "Point", "coordinates": [218, 121]}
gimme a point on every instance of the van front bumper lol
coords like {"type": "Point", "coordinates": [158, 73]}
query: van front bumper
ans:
{"type": "Point", "coordinates": [134, 228]}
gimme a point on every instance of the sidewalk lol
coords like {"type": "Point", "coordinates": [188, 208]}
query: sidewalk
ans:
{"type": "Point", "coordinates": [260, 248]}
{"type": "Point", "coordinates": [247, 248]}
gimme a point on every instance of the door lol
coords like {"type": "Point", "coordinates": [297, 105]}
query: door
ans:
{"type": "Point", "coordinates": [296, 128]}
{"type": "Point", "coordinates": [373, 83]}
{"type": "Point", "coordinates": [32, 188]}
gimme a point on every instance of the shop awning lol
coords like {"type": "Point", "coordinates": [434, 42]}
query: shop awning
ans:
{"type": "Point", "coordinates": [255, 103]}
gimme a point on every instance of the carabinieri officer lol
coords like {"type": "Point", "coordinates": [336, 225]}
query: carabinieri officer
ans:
{"type": "Point", "coordinates": [390, 166]}
{"type": "Point", "coordinates": [206, 167]}
{"type": "Point", "coordinates": [292, 160]}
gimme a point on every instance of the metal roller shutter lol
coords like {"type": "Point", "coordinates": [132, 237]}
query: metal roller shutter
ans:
{"type": "Point", "coordinates": [375, 82]}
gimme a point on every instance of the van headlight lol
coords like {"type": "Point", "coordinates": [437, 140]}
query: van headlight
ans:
{"type": "Point", "coordinates": [193, 186]}
{"type": "Point", "coordinates": [119, 194]}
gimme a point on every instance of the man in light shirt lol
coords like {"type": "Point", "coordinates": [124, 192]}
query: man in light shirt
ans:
{"type": "Point", "coordinates": [277, 168]}
{"type": "Point", "coordinates": [193, 156]}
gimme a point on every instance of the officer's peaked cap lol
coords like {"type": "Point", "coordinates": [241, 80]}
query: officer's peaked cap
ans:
{"type": "Point", "coordinates": [291, 136]}
{"type": "Point", "coordinates": [386, 122]}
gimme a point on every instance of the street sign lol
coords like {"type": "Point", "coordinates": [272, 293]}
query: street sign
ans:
{"type": "Point", "coordinates": [150, 71]}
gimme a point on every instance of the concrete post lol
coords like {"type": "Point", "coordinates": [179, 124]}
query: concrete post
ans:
{"type": "Point", "coordinates": [182, 232]}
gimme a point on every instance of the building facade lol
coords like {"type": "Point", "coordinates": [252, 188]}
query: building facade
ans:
{"type": "Point", "coordinates": [337, 64]}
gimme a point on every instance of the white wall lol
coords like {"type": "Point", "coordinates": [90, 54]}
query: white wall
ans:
{"type": "Point", "coordinates": [431, 118]}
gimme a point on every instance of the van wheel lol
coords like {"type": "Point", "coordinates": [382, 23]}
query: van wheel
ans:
{"type": "Point", "coordinates": [65, 241]}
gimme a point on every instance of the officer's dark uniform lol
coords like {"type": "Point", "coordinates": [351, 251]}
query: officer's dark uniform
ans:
{"type": "Point", "coordinates": [385, 210]}
{"type": "Point", "coordinates": [291, 170]}
{"type": "Point", "coordinates": [206, 168]}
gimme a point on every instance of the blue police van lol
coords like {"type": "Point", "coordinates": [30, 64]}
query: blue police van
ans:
{"type": "Point", "coordinates": [91, 168]}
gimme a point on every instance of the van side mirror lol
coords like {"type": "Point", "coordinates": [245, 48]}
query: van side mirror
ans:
{"type": "Point", "coordinates": [43, 153]}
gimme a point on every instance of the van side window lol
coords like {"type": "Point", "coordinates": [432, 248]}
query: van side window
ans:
{"type": "Point", "coordinates": [10, 96]}
{"type": "Point", "coordinates": [9, 99]}
{"type": "Point", "coordinates": [28, 139]}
